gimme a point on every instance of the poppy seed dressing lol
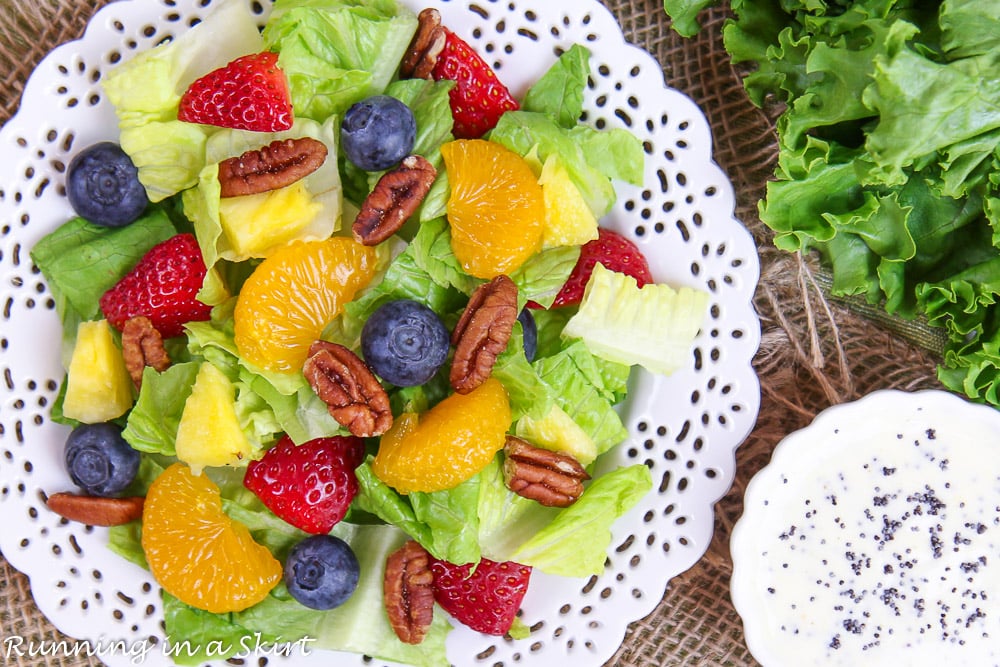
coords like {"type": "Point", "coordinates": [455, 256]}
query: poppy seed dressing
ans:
{"type": "Point", "coordinates": [883, 546]}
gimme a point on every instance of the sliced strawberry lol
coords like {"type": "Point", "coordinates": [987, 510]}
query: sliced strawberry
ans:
{"type": "Point", "coordinates": [479, 98]}
{"type": "Point", "coordinates": [250, 93]}
{"type": "Point", "coordinates": [615, 252]}
{"type": "Point", "coordinates": [309, 485]}
{"type": "Point", "coordinates": [162, 286]}
{"type": "Point", "coordinates": [484, 596]}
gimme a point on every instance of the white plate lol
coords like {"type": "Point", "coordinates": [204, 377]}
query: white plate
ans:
{"type": "Point", "coordinates": [686, 428]}
{"type": "Point", "coordinates": [860, 542]}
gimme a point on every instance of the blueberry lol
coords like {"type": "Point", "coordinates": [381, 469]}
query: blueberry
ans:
{"type": "Point", "coordinates": [321, 572]}
{"type": "Point", "coordinates": [103, 186]}
{"type": "Point", "coordinates": [99, 459]}
{"type": "Point", "coordinates": [405, 343]}
{"type": "Point", "coordinates": [530, 330]}
{"type": "Point", "coordinates": [378, 132]}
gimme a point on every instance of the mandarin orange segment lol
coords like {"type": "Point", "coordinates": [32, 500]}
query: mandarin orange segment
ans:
{"type": "Point", "coordinates": [290, 298]}
{"type": "Point", "coordinates": [196, 552]}
{"type": "Point", "coordinates": [446, 445]}
{"type": "Point", "coordinates": [496, 208]}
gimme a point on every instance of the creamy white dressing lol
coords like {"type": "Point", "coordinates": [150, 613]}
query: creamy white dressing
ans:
{"type": "Point", "coordinates": [879, 546]}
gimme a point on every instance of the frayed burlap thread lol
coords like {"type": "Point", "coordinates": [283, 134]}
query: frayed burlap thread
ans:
{"type": "Point", "coordinates": [815, 351]}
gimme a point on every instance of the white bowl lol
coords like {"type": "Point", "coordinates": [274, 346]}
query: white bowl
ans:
{"type": "Point", "coordinates": [873, 538]}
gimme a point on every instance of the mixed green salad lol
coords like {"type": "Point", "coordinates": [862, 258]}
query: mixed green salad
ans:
{"type": "Point", "coordinates": [889, 154]}
{"type": "Point", "coordinates": [335, 53]}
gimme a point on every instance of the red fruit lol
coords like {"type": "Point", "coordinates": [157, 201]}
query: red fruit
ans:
{"type": "Point", "coordinates": [615, 252]}
{"type": "Point", "coordinates": [250, 93]}
{"type": "Point", "coordinates": [163, 286]}
{"type": "Point", "coordinates": [309, 485]}
{"type": "Point", "coordinates": [478, 98]}
{"type": "Point", "coordinates": [483, 596]}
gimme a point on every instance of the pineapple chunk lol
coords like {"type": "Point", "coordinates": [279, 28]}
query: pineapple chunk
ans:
{"type": "Point", "coordinates": [256, 223]}
{"type": "Point", "coordinates": [568, 219]}
{"type": "Point", "coordinates": [98, 386]}
{"type": "Point", "coordinates": [209, 433]}
{"type": "Point", "coordinates": [557, 431]}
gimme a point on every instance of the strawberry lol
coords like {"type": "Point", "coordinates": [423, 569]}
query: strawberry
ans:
{"type": "Point", "coordinates": [478, 98]}
{"type": "Point", "coordinates": [309, 485]}
{"type": "Point", "coordinates": [250, 93]}
{"type": "Point", "coordinates": [615, 252]}
{"type": "Point", "coordinates": [484, 596]}
{"type": "Point", "coordinates": [163, 286]}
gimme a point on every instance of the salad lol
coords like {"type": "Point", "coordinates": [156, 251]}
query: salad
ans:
{"type": "Point", "coordinates": [260, 307]}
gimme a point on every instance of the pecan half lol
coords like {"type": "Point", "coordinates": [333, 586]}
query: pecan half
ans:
{"type": "Point", "coordinates": [425, 47]}
{"type": "Point", "coordinates": [552, 478]}
{"type": "Point", "coordinates": [393, 200]}
{"type": "Point", "coordinates": [407, 592]}
{"type": "Point", "coordinates": [482, 333]}
{"type": "Point", "coordinates": [274, 166]}
{"type": "Point", "coordinates": [353, 395]}
{"type": "Point", "coordinates": [142, 345]}
{"type": "Point", "coordinates": [96, 511]}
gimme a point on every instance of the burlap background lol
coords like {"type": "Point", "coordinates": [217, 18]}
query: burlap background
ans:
{"type": "Point", "coordinates": [815, 351]}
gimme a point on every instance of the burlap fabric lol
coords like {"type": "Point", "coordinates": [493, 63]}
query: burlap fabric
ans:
{"type": "Point", "coordinates": [815, 351]}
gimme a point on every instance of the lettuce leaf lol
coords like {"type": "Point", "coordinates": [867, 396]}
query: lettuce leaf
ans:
{"type": "Point", "coordinates": [591, 157]}
{"type": "Point", "coordinates": [81, 261]}
{"type": "Point", "coordinates": [575, 544]}
{"type": "Point", "coordinates": [443, 522]}
{"type": "Point", "coordinates": [888, 154]}
{"type": "Point", "coordinates": [559, 92]}
{"type": "Point", "coordinates": [152, 423]}
{"type": "Point", "coordinates": [684, 15]}
{"type": "Point", "coordinates": [541, 277]}
{"type": "Point", "coordinates": [337, 52]}
{"type": "Point", "coordinates": [587, 389]}
{"type": "Point", "coordinates": [925, 106]}
{"type": "Point", "coordinates": [653, 326]}
{"type": "Point", "coordinates": [506, 520]}
{"type": "Point", "coordinates": [570, 542]}
{"type": "Point", "coordinates": [527, 392]}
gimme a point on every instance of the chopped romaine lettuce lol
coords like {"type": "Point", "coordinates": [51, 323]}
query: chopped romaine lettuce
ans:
{"type": "Point", "coordinates": [652, 326]}
{"type": "Point", "coordinates": [444, 522]}
{"type": "Point", "coordinates": [506, 520]}
{"type": "Point", "coordinates": [684, 15]}
{"type": "Point", "coordinates": [81, 261]}
{"type": "Point", "coordinates": [570, 542]}
{"type": "Point", "coordinates": [575, 544]}
{"type": "Point", "coordinates": [527, 393]}
{"type": "Point", "coordinates": [590, 156]}
{"type": "Point", "coordinates": [337, 52]}
{"type": "Point", "coordinates": [541, 277]}
{"type": "Point", "coordinates": [559, 92]}
{"type": "Point", "coordinates": [152, 423]}
{"type": "Point", "coordinates": [587, 388]}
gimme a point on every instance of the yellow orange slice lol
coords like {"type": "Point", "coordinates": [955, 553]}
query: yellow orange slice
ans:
{"type": "Point", "coordinates": [294, 293]}
{"type": "Point", "coordinates": [196, 552]}
{"type": "Point", "coordinates": [446, 445]}
{"type": "Point", "coordinates": [496, 208]}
